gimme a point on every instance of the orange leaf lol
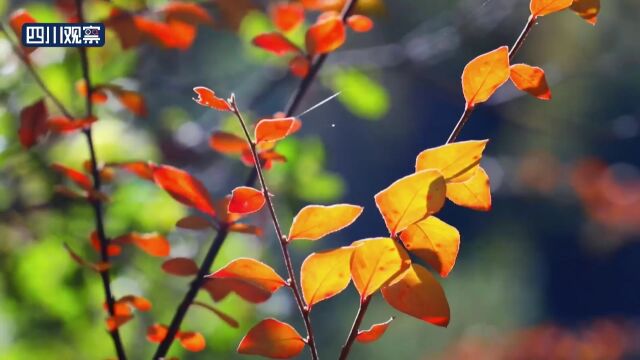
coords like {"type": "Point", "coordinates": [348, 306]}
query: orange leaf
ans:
{"type": "Point", "coordinates": [546, 7]}
{"type": "Point", "coordinates": [287, 16]}
{"type": "Point", "coordinates": [152, 243]}
{"type": "Point", "coordinates": [180, 266]}
{"type": "Point", "coordinates": [183, 187]}
{"type": "Point", "coordinates": [64, 125]}
{"type": "Point", "coordinates": [417, 293]}
{"type": "Point", "coordinates": [33, 123]}
{"type": "Point", "coordinates": [76, 176]}
{"type": "Point", "coordinates": [156, 333]}
{"type": "Point", "coordinates": [194, 222]}
{"type": "Point", "coordinates": [360, 23]}
{"type": "Point", "coordinates": [137, 302]}
{"type": "Point", "coordinates": [299, 66]}
{"type": "Point", "coordinates": [219, 288]}
{"type": "Point", "coordinates": [411, 199]}
{"type": "Point", "coordinates": [276, 129]}
{"type": "Point", "coordinates": [272, 338]}
{"type": "Point", "coordinates": [112, 249]}
{"type": "Point", "coordinates": [17, 19]}
{"type": "Point", "coordinates": [530, 79]}
{"type": "Point", "coordinates": [246, 200]}
{"type": "Point", "coordinates": [139, 168]}
{"type": "Point", "coordinates": [224, 317]}
{"type": "Point", "coordinates": [375, 262]}
{"type": "Point", "coordinates": [252, 272]}
{"type": "Point", "coordinates": [114, 322]}
{"type": "Point", "coordinates": [484, 75]}
{"type": "Point", "coordinates": [435, 242]}
{"type": "Point", "coordinates": [275, 43]}
{"type": "Point", "coordinates": [474, 193]}
{"type": "Point", "coordinates": [133, 101]}
{"type": "Point", "coordinates": [325, 274]}
{"type": "Point", "coordinates": [191, 340]}
{"type": "Point", "coordinates": [314, 222]}
{"type": "Point", "coordinates": [98, 96]}
{"type": "Point", "coordinates": [325, 36]}
{"type": "Point", "coordinates": [587, 9]}
{"type": "Point", "coordinates": [374, 333]}
{"type": "Point", "coordinates": [228, 143]}
{"type": "Point", "coordinates": [207, 97]}
{"type": "Point", "coordinates": [456, 161]}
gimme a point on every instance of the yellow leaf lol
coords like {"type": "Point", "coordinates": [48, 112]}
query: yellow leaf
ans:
{"type": "Point", "coordinates": [375, 262]}
{"type": "Point", "coordinates": [410, 199]}
{"type": "Point", "coordinates": [435, 242]}
{"type": "Point", "coordinates": [325, 274]}
{"type": "Point", "coordinates": [484, 75]}
{"type": "Point", "coordinates": [455, 161]}
{"type": "Point", "coordinates": [316, 221]}
{"type": "Point", "coordinates": [474, 193]}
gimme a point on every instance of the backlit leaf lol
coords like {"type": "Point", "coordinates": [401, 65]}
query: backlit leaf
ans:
{"type": "Point", "coordinates": [141, 169]}
{"type": "Point", "coordinates": [325, 274]}
{"type": "Point", "coordinates": [183, 187]}
{"type": "Point", "coordinates": [114, 322]}
{"type": "Point", "coordinates": [156, 333]}
{"type": "Point", "coordinates": [132, 101]}
{"type": "Point", "coordinates": [435, 242]}
{"type": "Point", "coordinates": [207, 97]}
{"type": "Point", "coordinates": [546, 7]}
{"type": "Point", "coordinates": [219, 288]}
{"type": "Point", "coordinates": [112, 249]}
{"type": "Point", "coordinates": [484, 75]}
{"type": "Point", "coordinates": [63, 125]}
{"type": "Point", "coordinates": [375, 262]}
{"type": "Point", "coordinates": [530, 79]}
{"type": "Point", "coordinates": [276, 129]}
{"type": "Point", "coordinates": [417, 293]}
{"type": "Point", "coordinates": [228, 143]}
{"type": "Point", "coordinates": [224, 317]}
{"type": "Point", "coordinates": [180, 266]}
{"type": "Point", "coordinates": [246, 200]}
{"type": "Point", "coordinates": [299, 66]}
{"type": "Point", "coordinates": [33, 123]}
{"type": "Point", "coordinates": [76, 176]}
{"type": "Point", "coordinates": [138, 302]}
{"type": "Point", "coordinates": [587, 9]}
{"type": "Point", "coordinates": [287, 16]}
{"type": "Point", "coordinates": [191, 340]}
{"type": "Point", "coordinates": [17, 19]}
{"type": "Point", "coordinates": [152, 243]}
{"type": "Point", "coordinates": [374, 333]}
{"type": "Point", "coordinates": [272, 338]}
{"type": "Point", "coordinates": [411, 199]}
{"type": "Point", "coordinates": [314, 222]}
{"type": "Point", "coordinates": [276, 43]}
{"type": "Point", "coordinates": [456, 161]}
{"type": "Point", "coordinates": [252, 272]}
{"type": "Point", "coordinates": [325, 36]}
{"type": "Point", "coordinates": [360, 23]}
{"type": "Point", "coordinates": [474, 193]}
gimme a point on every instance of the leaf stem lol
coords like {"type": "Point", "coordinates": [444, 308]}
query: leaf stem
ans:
{"type": "Point", "coordinates": [346, 348]}
{"type": "Point", "coordinates": [468, 110]}
{"type": "Point", "coordinates": [284, 244]}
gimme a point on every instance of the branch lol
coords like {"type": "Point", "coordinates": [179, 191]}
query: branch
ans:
{"type": "Point", "coordinates": [284, 244]}
{"type": "Point", "coordinates": [468, 110]}
{"type": "Point", "coordinates": [346, 348]}
{"type": "Point", "coordinates": [196, 284]}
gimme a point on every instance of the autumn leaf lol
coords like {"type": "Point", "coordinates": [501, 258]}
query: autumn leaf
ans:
{"type": "Point", "coordinates": [474, 193]}
{"type": "Point", "coordinates": [141, 169]}
{"type": "Point", "coordinates": [314, 222]}
{"type": "Point", "coordinates": [456, 161]}
{"type": "Point", "coordinates": [17, 19]}
{"type": "Point", "coordinates": [76, 176]}
{"type": "Point", "coordinates": [325, 274]}
{"type": "Point", "coordinates": [138, 302]}
{"type": "Point", "coordinates": [33, 124]}
{"type": "Point", "coordinates": [325, 36]}
{"type": "Point", "coordinates": [64, 125]}
{"type": "Point", "coordinates": [276, 129]}
{"type": "Point", "coordinates": [435, 242]}
{"type": "Point", "coordinates": [375, 262]}
{"type": "Point", "coordinates": [180, 266]}
{"type": "Point", "coordinates": [484, 75]}
{"type": "Point", "coordinates": [228, 143]}
{"type": "Point", "coordinates": [152, 243]}
{"type": "Point", "coordinates": [183, 187]}
{"type": "Point", "coordinates": [530, 79]}
{"type": "Point", "coordinates": [220, 288]}
{"type": "Point", "coordinates": [194, 222]}
{"type": "Point", "coordinates": [287, 16]}
{"type": "Point", "coordinates": [207, 97]}
{"type": "Point", "coordinates": [115, 322]}
{"type": "Point", "coordinates": [191, 340]}
{"type": "Point", "coordinates": [275, 43]}
{"type": "Point", "coordinates": [411, 199]}
{"type": "Point", "coordinates": [246, 200]}
{"type": "Point", "coordinates": [374, 333]}
{"type": "Point", "coordinates": [156, 333]}
{"type": "Point", "coordinates": [272, 338]}
{"type": "Point", "coordinates": [360, 23]}
{"type": "Point", "coordinates": [252, 272]}
{"type": "Point", "coordinates": [299, 66]}
{"type": "Point", "coordinates": [99, 267]}
{"type": "Point", "coordinates": [587, 9]}
{"type": "Point", "coordinates": [224, 317]}
{"type": "Point", "coordinates": [112, 249]}
{"type": "Point", "coordinates": [186, 12]}
{"type": "Point", "coordinates": [417, 293]}
{"type": "Point", "coordinates": [546, 7]}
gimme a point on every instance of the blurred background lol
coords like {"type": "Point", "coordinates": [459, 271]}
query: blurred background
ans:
{"type": "Point", "coordinates": [551, 272]}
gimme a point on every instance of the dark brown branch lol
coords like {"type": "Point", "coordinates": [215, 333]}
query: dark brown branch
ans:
{"type": "Point", "coordinates": [468, 110]}
{"type": "Point", "coordinates": [346, 348]}
{"type": "Point", "coordinates": [284, 244]}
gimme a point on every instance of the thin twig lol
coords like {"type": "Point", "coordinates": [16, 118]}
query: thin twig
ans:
{"type": "Point", "coordinates": [468, 110]}
{"type": "Point", "coordinates": [284, 244]}
{"type": "Point", "coordinates": [346, 348]}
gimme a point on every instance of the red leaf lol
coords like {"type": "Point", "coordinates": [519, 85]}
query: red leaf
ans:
{"type": "Point", "coordinates": [180, 267]}
{"type": "Point", "coordinates": [183, 187]}
{"type": "Point", "coordinates": [207, 97]}
{"type": "Point", "coordinates": [360, 23]}
{"type": "Point", "coordinates": [152, 243]}
{"type": "Point", "coordinates": [112, 249]}
{"type": "Point", "coordinates": [272, 338]}
{"type": "Point", "coordinates": [191, 340]}
{"type": "Point", "coordinates": [275, 43]}
{"type": "Point", "coordinates": [76, 176]}
{"type": "Point", "coordinates": [156, 333]}
{"type": "Point", "coordinates": [17, 19]}
{"type": "Point", "coordinates": [374, 332]}
{"type": "Point", "coordinates": [187, 12]}
{"type": "Point", "coordinates": [227, 143]}
{"type": "Point", "coordinates": [246, 200]}
{"type": "Point", "coordinates": [287, 16]}
{"type": "Point", "coordinates": [137, 302]}
{"type": "Point", "coordinates": [325, 36]}
{"type": "Point", "coordinates": [114, 322]}
{"type": "Point", "coordinates": [64, 125]}
{"type": "Point", "coordinates": [33, 123]}
{"type": "Point", "coordinates": [139, 168]}
{"type": "Point", "coordinates": [276, 129]}
{"type": "Point", "coordinates": [299, 66]}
